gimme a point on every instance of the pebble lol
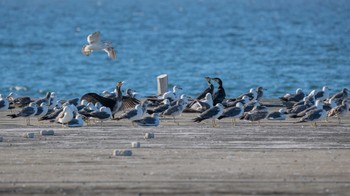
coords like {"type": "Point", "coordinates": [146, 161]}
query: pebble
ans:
{"type": "Point", "coordinates": [135, 144]}
{"type": "Point", "coordinates": [149, 135]}
{"type": "Point", "coordinates": [122, 152]}
{"type": "Point", "coordinates": [47, 132]}
{"type": "Point", "coordinates": [28, 135]}
{"type": "Point", "coordinates": [1, 139]}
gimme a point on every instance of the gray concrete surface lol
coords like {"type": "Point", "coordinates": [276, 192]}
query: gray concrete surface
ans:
{"type": "Point", "coordinates": [273, 158]}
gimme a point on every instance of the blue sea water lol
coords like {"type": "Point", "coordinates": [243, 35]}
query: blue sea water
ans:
{"type": "Point", "coordinates": [278, 44]}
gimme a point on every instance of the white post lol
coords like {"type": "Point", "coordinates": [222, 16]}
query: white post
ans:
{"type": "Point", "coordinates": [162, 83]}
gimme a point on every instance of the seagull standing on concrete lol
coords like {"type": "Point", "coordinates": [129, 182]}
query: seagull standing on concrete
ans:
{"type": "Point", "coordinates": [96, 44]}
{"type": "Point", "coordinates": [233, 112]}
{"type": "Point", "coordinates": [26, 112]}
{"type": "Point", "coordinates": [340, 111]}
{"type": "Point", "coordinates": [4, 104]}
{"type": "Point", "coordinates": [212, 113]}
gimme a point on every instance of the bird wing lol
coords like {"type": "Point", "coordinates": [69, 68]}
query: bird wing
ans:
{"type": "Point", "coordinates": [27, 111]}
{"type": "Point", "coordinates": [274, 115]}
{"type": "Point", "coordinates": [312, 115]}
{"type": "Point", "coordinates": [39, 111]}
{"type": "Point", "coordinates": [129, 114]}
{"type": "Point", "coordinates": [210, 113]}
{"type": "Point", "coordinates": [161, 108]}
{"type": "Point", "coordinates": [93, 98]}
{"type": "Point", "coordinates": [100, 115]}
{"type": "Point", "coordinates": [111, 53]}
{"type": "Point", "coordinates": [94, 37]}
{"type": "Point", "coordinates": [171, 110]}
{"type": "Point", "coordinates": [60, 115]}
{"type": "Point", "coordinates": [128, 102]}
{"type": "Point", "coordinates": [234, 111]}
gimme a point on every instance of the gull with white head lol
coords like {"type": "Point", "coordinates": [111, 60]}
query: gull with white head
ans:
{"type": "Point", "coordinates": [96, 44]}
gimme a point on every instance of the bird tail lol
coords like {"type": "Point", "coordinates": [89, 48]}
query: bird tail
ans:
{"type": "Point", "coordinates": [150, 111]}
{"type": "Point", "coordinates": [221, 117]}
{"type": "Point", "coordinates": [293, 116]}
{"type": "Point", "coordinates": [12, 115]}
{"type": "Point", "coordinates": [198, 119]}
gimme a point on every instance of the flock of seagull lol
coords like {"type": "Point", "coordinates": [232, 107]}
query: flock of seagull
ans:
{"type": "Point", "coordinates": [211, 104]}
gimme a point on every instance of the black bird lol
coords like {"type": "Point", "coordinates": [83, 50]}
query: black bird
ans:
{"type": "Point", "coordinates": [220, 94]}
{"type": "Point", "coordinates": [209, 89]}
{"type": "Point", "coordinates": [116, 104]}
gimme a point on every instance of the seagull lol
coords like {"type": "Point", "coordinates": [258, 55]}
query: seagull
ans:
{"type": "Point", "coordinates": [280, 115]}
{"type": "Point", "coordinates": [256, 114]}
{"type": "Point", "coordinates": [250, 105]}
{"type": "Point", "coordinates": [18, 101]}
{"type": "Point", "coordinates": [45, 99]}
{"type": "Point", "coordinates": [42, 110]}
{"type": "Point", "coordinates": [212, 113]}
{"type": "Point", "coordinates": [103, 114]}
{"type": "Point", "coordinates": [4, 104]}
{"type": "Point", "coordinates": [149, 120]}
{"type": "Point", "coordinates": [220, 94]}
{"type": "Point", "coordinates": [173, 95]}
{"type": "Point", "coordinates": [65, 116]}
{"type": "Point", "coordinates": [134, 114]}
{"type": "Point", "coordinates": [161, 108]}
{"type": "Point", "coordinates": [298, 96]}
{"type": "Point", "coordinates": [340, 111]}
{"type": "Point", "coordinates": [260, 92]}
{"type": "Point", "coordinates": [323, 94]}
{"type": "Point", "coordinates": [343, 94]}
{"type": "Point", "coordinates": [96, 44]}
{"type": "Point", "coordinates": [131, 93]}
{"type": "Point", "coordinates": [330, 104]}
{"type": "Point", "coordinates": [313, 116]}
{"type": "Point", "coordinates": [318, 105]}
{"type": "Point", "coordinates": [244, 100]}
{"type": "Point", "coordinates": [26, 112]}
{"type": "Point", "coordinates": [202, 105]}
{"type": "Point", "coordinates": [233, 112]}
{"type": "Point", "coordinates": [116, 104]}
{"type": "Point", "coordinates": [175, 110]}
{"type": "Point", "coordinates": [76, 122]}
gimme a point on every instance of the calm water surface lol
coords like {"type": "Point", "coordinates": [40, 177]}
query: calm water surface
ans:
{"type": "Point", "coordinates": [280, 45]}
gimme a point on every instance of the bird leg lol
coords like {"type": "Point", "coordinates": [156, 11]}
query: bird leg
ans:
{"type": "Point", "coordinates": [339, 120]}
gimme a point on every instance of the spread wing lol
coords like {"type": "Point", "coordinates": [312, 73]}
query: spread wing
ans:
{"type": "Point", "coordinates": [128, 102]}
{"type": "Point", "coordinates": [93, 98]}
{"type": "Point", "coordinates": [94, 37]}
{"type": "Point", "coordinates": [111, 53]}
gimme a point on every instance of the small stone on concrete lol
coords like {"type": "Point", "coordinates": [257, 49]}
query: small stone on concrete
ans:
{"type": "Point", "coordinates": [47, 132]}
{"type": "Point", "coordinates": [122, 152]}
{"type": "Point", "coordinates": [135, 144]}
{"type": "Point", "coordinates": [149, 135]}
{"type": "Point", "coordinates": [29, 135]}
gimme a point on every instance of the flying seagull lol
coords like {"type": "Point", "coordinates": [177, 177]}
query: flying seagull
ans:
{"type": "Point", "coordinates": [96, 44]}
